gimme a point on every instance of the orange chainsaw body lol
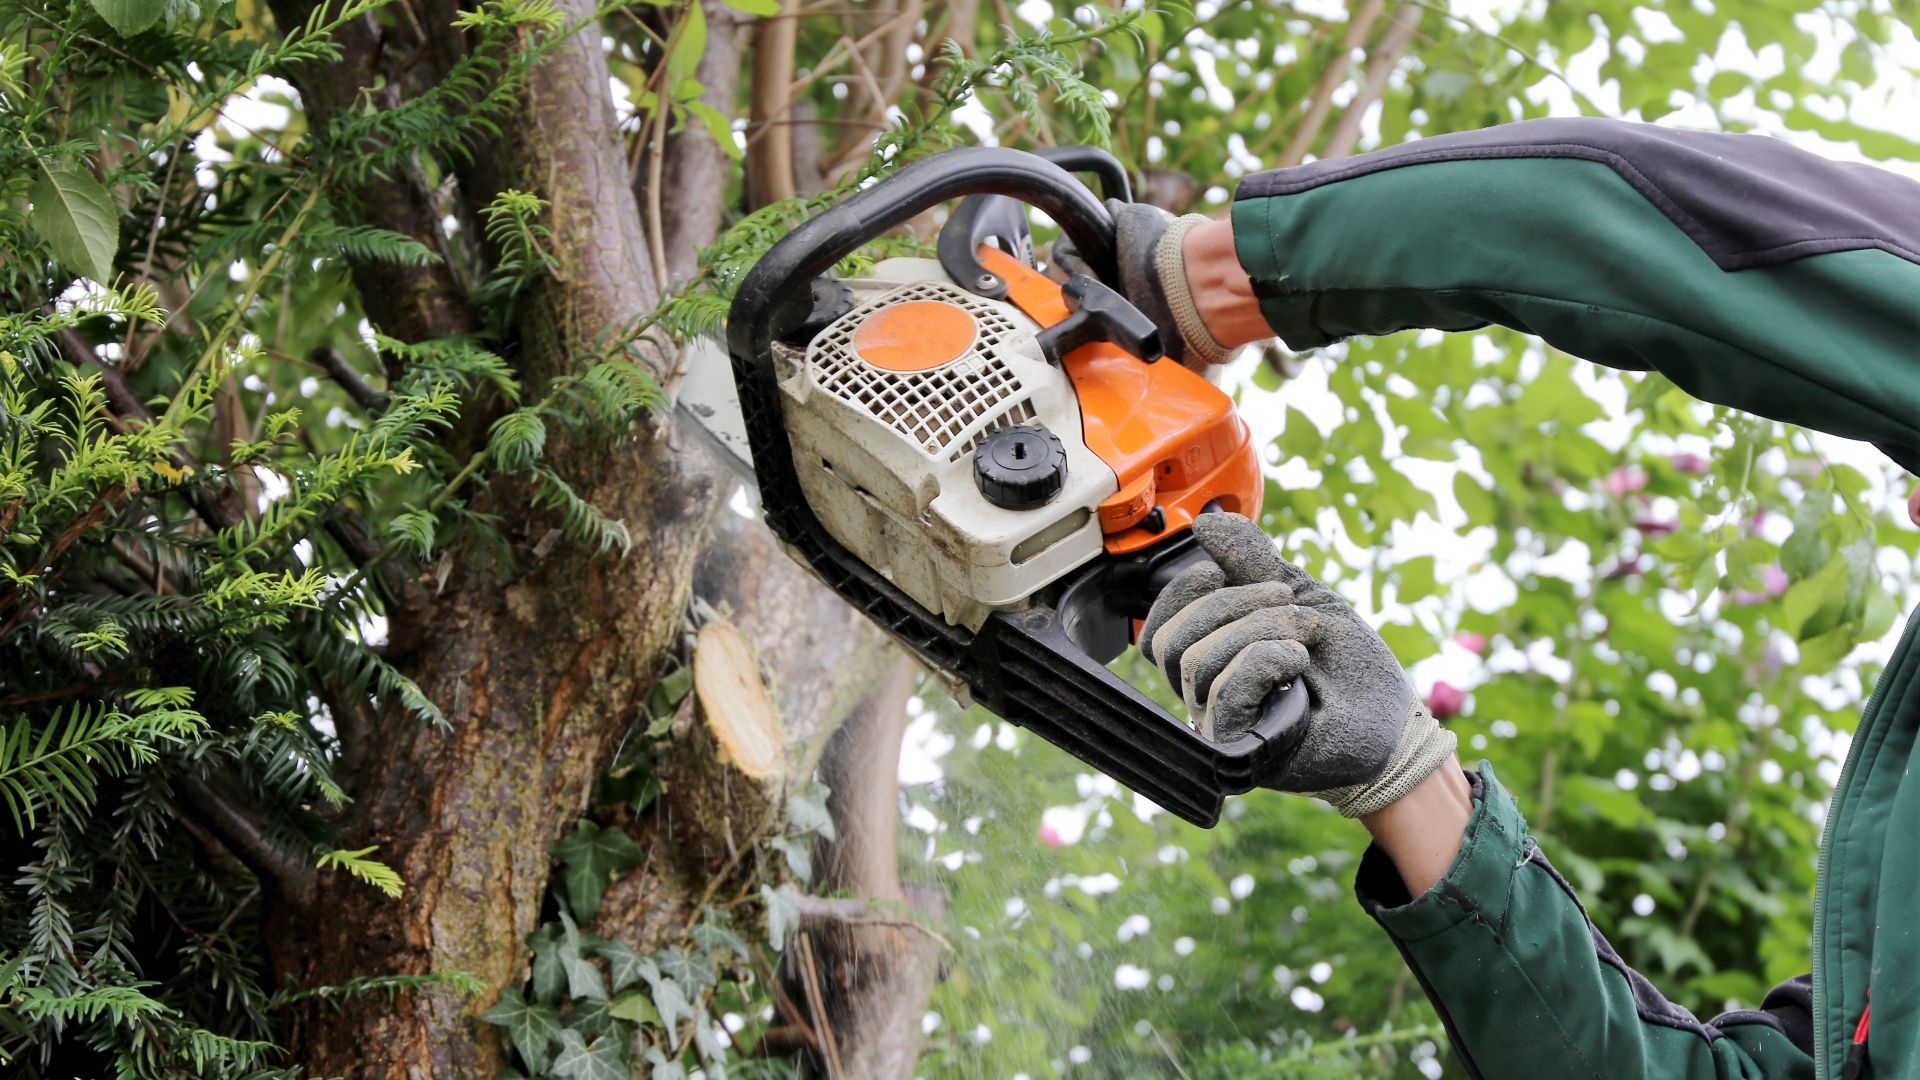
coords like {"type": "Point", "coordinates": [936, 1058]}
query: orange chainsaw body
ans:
{"type": "Point", "coordinates": [1173, 439]}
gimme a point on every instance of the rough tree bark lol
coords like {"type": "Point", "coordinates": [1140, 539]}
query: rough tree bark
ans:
{"type": "Point", "coordinates": [541, 672]}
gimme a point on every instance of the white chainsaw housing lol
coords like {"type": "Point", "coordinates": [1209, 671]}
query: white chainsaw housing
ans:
{"type": "Point", "coordinates": [885, 458]}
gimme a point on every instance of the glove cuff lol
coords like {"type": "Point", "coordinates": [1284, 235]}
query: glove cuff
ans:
{"type": "Point", "coordinates": [1424, 746]}
{"type": "Point", "coordinates": [1170, 266]}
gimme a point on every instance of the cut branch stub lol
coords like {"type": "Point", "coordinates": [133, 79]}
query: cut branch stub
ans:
{"type": "Point", "coordinates": [735, 703]}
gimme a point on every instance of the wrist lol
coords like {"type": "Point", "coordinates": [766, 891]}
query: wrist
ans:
{"type": "Point", "coordinates": [1422, 830]}
{"type": "Point", "coordinates": [1222, 290]}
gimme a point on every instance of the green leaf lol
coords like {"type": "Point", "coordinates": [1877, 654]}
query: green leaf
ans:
{"type": "Point", "coordinates": [623, 964]}
{"type": "Point", "coordinates": [783, 915]}
{"type": "Point", "coordinates": [1415, 579]}
{"type": "Point", "coordinates": [687, 46]}
{"type": "Point", "coordinates": [635, 1008]}
{"type": "Point", "coordinates": [799, 858]}
{"type": "Point", "coordinates": [717, 124]}
{"type": "Point", "coordinates": [807, 810]}
{"type": "Point", "coordinates": [605, 1058]}
{"type": "Point", "coordinates": [592, 1018]}
{"type": "Point", "coordinates": [690, 969]}
{"type": "Point", "coordinates": [549, 975]}
{"type": "Point", "coordinates": [592, 857]}
{"type": "Point", "coordinates": [712, 936]}
{"type": "Point", "coordinates": [583, 979]}
{"type": "Point", "coordinates": [78, 220]}
{"type": "Point", "coordinates": [663, 1067]}
{"type": "Point", "coordinates": [1812, 604]}
{"type": "Point", "coordinates": [762, 8]}
{"type": "Point", "coordinates": [669, 999]}
{"type": "Point", "coordinates": [129, 17]}
{"type": "Point", "coordinates": [1475, 500]}
{"type": "Point", "coordinates": [1410, 644]}
{"type": "Point", "coordinates": [531, 1027]}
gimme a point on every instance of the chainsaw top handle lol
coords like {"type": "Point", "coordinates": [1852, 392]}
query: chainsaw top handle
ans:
{"type": "Point", "coordinates": [775, 294]}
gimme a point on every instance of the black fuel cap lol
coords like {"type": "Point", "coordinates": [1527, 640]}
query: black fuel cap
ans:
{"type": "Point", "coordinates": [1021, 467]}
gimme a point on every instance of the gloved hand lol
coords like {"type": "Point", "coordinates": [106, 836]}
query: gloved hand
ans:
{"type": "Point", "coordinates": [1227, 632]}
{"type": "Point", "coordinates": [1153, 276]}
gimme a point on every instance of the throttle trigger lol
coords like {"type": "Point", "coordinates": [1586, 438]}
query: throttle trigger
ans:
{"type": "Point", "coordinates": [1099, 314]}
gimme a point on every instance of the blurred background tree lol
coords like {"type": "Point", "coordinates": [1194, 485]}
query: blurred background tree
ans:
{"type": "Point", "coordinates": [359, 581]}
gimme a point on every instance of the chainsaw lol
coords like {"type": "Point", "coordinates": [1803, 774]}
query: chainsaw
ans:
{"type": "Point", "coordinates": [995, 466]}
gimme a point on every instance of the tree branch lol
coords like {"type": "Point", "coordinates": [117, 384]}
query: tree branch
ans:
{"type": "Point", "coordinates": [1381, 60]}
{"type": "Point", "coordinates": [242, 830]}
{"type": "Point", "coordinates": [372, 401]}
{"type": "Point", "coordinates": [1320, 102]}
{"type": "Point", "coordinates": [769, 151]}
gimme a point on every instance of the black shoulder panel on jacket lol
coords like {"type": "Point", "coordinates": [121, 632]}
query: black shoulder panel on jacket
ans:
{"type": "Point", "coordinates": [1788, 1009]}
{"type": "Point", "coordinates": [1746, 200]}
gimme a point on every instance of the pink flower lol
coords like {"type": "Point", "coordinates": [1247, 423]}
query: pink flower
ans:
{"type": "Point", "coordinates": [1690, 463]}
{"type": "Point", "coordinates": [1625, 480]}
{"type": "Point", "coordinates": [1758, 520]}
{"type": "Point", "coordinates": [1050, 836]}
{"type": "Point", "coordinates": [1473, 643]}
{"type": "Point", "coordinates": [1653, 529]}
{"type": "Point", "coordinates": [1773, 582]}
{"type": "Point", "coordinates": [1445, 700]}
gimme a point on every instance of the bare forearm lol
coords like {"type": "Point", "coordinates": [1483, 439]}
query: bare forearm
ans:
{"type": "Point", "coordinates": [1421, 832]}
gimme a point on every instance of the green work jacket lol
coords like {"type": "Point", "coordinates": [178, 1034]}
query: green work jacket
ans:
{"type": "Point", "coordinates": [1754, 275]}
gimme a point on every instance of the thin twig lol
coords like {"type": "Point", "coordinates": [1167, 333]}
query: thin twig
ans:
{"type": "Point", "coordinates": [817, 1004]}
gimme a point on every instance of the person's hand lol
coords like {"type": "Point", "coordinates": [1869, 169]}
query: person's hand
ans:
{"type": "Point", "coordinates": [1150, 251]}
{"type": "Point", "coordinates": [1229, 631]}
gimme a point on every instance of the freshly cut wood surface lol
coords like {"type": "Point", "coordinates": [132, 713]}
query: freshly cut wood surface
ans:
{"type": "Point", "coordinates": [734, 700]}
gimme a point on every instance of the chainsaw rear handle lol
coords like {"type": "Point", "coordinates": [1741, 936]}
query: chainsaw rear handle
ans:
{"type": "Point", "coordinates": [1023, 665]}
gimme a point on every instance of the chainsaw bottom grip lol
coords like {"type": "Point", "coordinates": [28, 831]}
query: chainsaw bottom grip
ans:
{"type": "Point", "coordinates": [1023, 666]}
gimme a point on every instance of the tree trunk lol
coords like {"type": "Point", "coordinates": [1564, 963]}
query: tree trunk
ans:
{"type": "Point", "coordinates": [542, 671]}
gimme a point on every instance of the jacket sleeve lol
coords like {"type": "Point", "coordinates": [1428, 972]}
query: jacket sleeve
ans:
{"type": "Point", "coordinates": [1528, 987]}
{"type": "Point", "coordinates": [1751, 273]}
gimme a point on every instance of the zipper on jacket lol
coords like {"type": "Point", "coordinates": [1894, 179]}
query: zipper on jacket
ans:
{"type": "Point", "coordinates": [1820, 1066]}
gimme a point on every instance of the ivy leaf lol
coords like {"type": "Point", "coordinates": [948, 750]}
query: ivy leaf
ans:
{"type": "Point", "coordinates": [711, 936]}
{"type": "Point", "coordinates": [783, 915]}
{"type": "Point", "coordinates": [591, 1019]}
{"type": "Point", "coordinates": [685, 967]}
{"type": "Point", "coordinates": [623, 964]}
{"type": "Point", "coordinates": [592, 857]}
{"type": "Point", "coordinates": [531, 1027]}
{"type": "Point", "coordinates": [709, 1045]}
{"type": "Point", "coordinates": [129, 17]}
{"type": "Point", "coordinates": [78, 220]}
{"type": "Point", "coordinates": [762, 8]}
{"type": "Point", "coordinates": [604, 1058]}
{"type": "Point", "coordinates": [635, 1008]}
{"type": "Point", "coordinates": [663, 1068]}
{"type": "Point", "coordinates": [799, 859]}
{"type": "Point", "coordinates": [672, 1004]}
{"type": "Point", "coordinates": [583, 979]}
{"type": "Point", "coordinates": [549, 976]}
{"type": "Point", "coordinates": [807, 809]}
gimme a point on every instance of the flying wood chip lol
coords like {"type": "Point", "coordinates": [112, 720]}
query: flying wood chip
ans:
{"type": "Point", "coordinates": [726, 677]}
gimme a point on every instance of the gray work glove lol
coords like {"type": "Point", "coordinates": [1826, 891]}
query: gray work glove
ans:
{"type": "Point", "coordinates": [1153, 275]}
{"type": "Point", "coordinates": [1227, 632]}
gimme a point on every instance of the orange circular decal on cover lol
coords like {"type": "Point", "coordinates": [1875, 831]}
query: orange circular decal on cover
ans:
{"type": "Point", "coordinates": [918, 335]}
